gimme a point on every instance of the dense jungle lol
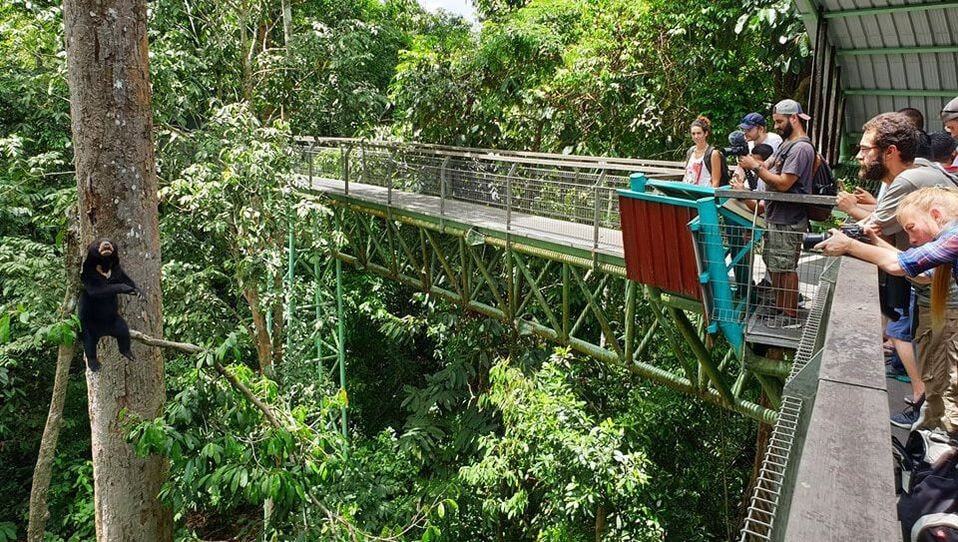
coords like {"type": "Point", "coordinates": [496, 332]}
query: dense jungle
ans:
{"type": "Point", "coordinates": [458, 427]}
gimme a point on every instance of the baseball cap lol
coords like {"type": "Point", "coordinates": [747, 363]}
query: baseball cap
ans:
{"type": "Point", "coordinates": [751, 120]}
{"type": "Point", "coordinates": [790, 107]}
{"type": "Point", "coordinates": [950, 111]}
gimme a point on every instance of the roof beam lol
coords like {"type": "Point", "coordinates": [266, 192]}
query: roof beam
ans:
{"type": "Point", "coordinates": [898, 50]}
{"type": "Point", "coordinates": [901, 92]}
{"type": "Point", "coordinates": [889, 9]}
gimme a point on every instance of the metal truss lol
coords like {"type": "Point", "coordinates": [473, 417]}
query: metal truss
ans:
{"type": "Point", "coordinates": [564, 299]}
{"type": "Point", "coordinates": [321, 318]}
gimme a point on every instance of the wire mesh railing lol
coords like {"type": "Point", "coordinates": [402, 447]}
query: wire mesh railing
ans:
{"type": "Point", "coordinates": [578, 193]}
{"type": "Point", "coordinates": [774, 278]}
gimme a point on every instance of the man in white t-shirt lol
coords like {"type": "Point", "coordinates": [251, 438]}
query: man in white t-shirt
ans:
{"type": "Point", "coordinates": [756, 133]}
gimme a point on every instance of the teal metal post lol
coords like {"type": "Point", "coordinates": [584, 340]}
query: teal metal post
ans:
{"type": "Point", "coordinates": [716, 272]}
{"type": "Point", "coordinates": [341, 342]}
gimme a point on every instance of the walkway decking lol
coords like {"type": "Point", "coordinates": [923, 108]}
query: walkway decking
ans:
{"type": "Point", "coordinates": [561, 232]}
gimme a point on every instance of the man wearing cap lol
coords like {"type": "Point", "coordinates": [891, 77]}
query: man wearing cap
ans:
{"type": "Point", "coordinates": [949, 117]}
{"type": "Point", "coordinates": [756, 133]}
{"type": "Point", "coordinates": [790, 170]}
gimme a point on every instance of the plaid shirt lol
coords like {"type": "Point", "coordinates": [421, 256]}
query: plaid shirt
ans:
{"type": "Point", "coordinates": [942, 250]}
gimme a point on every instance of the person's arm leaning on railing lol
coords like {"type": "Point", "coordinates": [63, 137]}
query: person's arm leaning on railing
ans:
{"type": "Point", "coordinates": [878, 252]}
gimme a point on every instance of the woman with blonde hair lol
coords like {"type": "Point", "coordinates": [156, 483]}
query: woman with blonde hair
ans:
{"type": "Point", "coordinates": [930, 218]}
{"type": "Point", "coordinates": [703, 163]}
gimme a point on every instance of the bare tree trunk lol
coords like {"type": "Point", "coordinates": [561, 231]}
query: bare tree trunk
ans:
{"type": "Point", "coordinates": [601, 514]}
{"type": "Point", "coordinates": [51, 432]}
{"type": "Point", "coordinates": [264, 346]}
{"type": "Point", "coordinates": [279, 321]}
{"type": "Point", "coordinates": [111, 120]}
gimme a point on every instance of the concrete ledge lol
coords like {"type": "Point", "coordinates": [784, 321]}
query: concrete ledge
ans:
{"type": "Point", "coordinates": [844, 485]}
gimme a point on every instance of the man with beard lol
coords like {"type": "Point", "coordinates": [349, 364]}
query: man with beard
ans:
{"type": "Point", "coordinates": [887, 153]}
{"type": "Point", "coordinates": [790, 170]}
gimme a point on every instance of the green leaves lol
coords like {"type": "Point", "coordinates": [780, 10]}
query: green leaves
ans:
{"type": "Point", "coordinates": [8, 531]}
{"type": "Point", "coordinates": [554, 458]}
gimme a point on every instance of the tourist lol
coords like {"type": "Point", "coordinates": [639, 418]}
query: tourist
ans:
{"type": "Point", "coordinates": [929, 217]}
{"type": "Point", "coordinates": [703, 163]}
{"type": "Point", "coordinates": [788, 170]}
{"type": "Point", "coordinates": [756, 133]}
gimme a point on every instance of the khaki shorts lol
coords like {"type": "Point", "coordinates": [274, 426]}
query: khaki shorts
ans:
{"type": "Point", "coordinates": [783, 246]}
{"type": "Point", "coordinates": [938, 362]}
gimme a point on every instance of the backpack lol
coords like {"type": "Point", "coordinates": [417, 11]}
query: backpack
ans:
{"type": "Point", "coordinates": [928, 507]}
{"type": "Point", "coordinates": [707, 162]}
{"type": "Point", "coordinates": [823, 183]}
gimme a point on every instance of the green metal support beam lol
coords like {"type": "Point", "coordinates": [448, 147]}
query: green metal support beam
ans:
{"type": "Point", "coordinates": [901, 93]}
{"type": "Point", "coordinates": [907, 8]}
{"type": "Point", "coordinates": [546, 291]}
{"type": "Point", "coordinates": [898, 51]}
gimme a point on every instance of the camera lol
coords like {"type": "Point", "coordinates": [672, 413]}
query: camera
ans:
{"type": "Point", "coordinates": [856, 232]}
{"type": "Point", "coordinates": [737, 146]}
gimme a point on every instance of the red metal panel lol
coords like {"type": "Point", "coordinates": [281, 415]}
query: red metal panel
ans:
{"type": "Point", "coordinates": [689, 271]}
{"type": "Point", "coordinates": [658, 246]}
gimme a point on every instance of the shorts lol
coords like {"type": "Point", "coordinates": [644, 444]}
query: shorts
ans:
{"type": "Point", "coordinates": [900, 329]}
{"type": "Point", "coordinates": [783, 246]}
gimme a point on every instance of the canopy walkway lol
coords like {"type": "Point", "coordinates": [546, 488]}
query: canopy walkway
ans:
{"type": "Point", "coordinates": [535, 241]}
{"type": "Point", "coordinates": [664, 279]}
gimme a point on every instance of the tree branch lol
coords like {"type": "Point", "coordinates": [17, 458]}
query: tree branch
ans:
{"type": "Point", "coordinates": [42, 472]}
{"type": "Point", "coordinates": [230, 377]}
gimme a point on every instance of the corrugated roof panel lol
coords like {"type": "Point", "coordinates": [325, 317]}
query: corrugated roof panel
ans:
{"type": "Point", "coordinates": [894, 70]}
{"type": "Point", "coordinates": [943, 29]}
{"type": "Point", "coordinates": [925, 71]}
{"type": "Point", "coordinates": [858, 109]}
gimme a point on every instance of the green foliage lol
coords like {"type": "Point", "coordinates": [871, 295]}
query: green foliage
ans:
{"type": "Point", "coordinates": [613, 77]}
{"type": "Point", "coordinates": [446, 442]}
{"type": "Point", "coordinates": [554, 467]}
{"type": "Point", "coordinates": [8, 531]}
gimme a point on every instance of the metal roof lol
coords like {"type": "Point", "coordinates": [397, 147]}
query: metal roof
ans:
{"type": "Point", "coordinates": [892, 54]}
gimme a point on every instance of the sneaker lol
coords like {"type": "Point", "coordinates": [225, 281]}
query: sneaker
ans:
{"type": "Point", "coordinates": [913, 402]}
{"type": "Point", "coordinates": [906, 418]}
{"type": "Point", "coordinates": [784, 321]}
{"type": "Point", "coordinates": [894, 370]}
{"type": "Point", "coordinates": [912, 416]}
{"type": "Point", "coordinates": [940, 435]}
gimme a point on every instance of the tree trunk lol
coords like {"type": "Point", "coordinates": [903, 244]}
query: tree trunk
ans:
{"type": "Point", "coordinates": [279, 321]}
{"type": "Point", "coordinates": [264, 346]}
{"type": "Point", "coordinates": [601, 514]}
{"type": "Point", "coordinates": [51, 432]}
{"type": "Point", "coordinates": [112, 126]}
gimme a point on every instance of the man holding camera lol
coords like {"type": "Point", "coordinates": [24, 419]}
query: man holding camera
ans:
{"type": "Point", "coordinates": [888, 149]}
{"type": "Point", "coordinates": [789, 170]}
{"type": "Point", "coordinates": [753, 125]}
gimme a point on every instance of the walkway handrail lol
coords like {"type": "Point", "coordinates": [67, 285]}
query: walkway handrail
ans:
{"type": "Point", "coordinates": [668, 167]}
{"type": "Point", "coordinates": [577, 189]}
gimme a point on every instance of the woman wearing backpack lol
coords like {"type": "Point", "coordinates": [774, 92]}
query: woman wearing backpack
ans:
{"type": "Point", "coordinates": [703, 163]}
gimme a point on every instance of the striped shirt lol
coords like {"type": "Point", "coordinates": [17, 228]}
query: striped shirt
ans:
{"type": "Point", "coordinates": [942, 250]}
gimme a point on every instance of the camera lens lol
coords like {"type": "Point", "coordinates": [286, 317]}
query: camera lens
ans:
{"type": "Point", "coordinates": [809, 240]}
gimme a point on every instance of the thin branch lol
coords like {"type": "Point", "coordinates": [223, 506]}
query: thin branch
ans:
{"type": "Point", "coordinates": [230, 377]}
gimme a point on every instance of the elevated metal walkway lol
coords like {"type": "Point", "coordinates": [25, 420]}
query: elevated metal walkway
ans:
{"type": "Point", "coordinates": [536, 242]}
